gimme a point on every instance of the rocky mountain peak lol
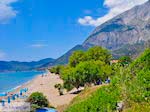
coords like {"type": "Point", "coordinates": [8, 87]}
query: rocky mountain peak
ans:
{"type": "Point", "coordinates": [130, 27]}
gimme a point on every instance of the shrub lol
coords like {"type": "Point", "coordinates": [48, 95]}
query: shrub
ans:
{"type": "Point", "coordinates": [38, 100]}
{"type": "Point", "coordinates": [56, 69]}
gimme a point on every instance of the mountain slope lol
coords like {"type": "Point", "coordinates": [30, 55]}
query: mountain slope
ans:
{"type": "Point", "coordinates": [125, 34]}
{"type": "Point", "coordinates": [132, 50]}
{"type": "Point", "coordinates": [65, 58]}
{"type": "Point", "coordinates": [129, 27]}
{"type": "Point", "coordinates": [22, 66]}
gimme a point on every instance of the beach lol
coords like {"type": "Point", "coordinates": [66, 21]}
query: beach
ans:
{"type": "Point", "coordinates": [45, 84]}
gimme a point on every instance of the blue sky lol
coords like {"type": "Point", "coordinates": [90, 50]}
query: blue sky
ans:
{"type": "Point", "coordinates": [37, 29]}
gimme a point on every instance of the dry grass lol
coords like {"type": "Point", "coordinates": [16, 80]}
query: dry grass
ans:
{"type": "Point", "coordinates": [136, 107]}
{"type": "Point", "coordinates": [62, 108]}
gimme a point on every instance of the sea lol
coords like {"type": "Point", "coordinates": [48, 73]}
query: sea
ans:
{"type": "Point", "coordinates": [13, 80]}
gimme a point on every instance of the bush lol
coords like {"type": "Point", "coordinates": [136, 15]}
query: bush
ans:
{"type": "Point", "coordinates": [56, 69]}
{"type": "Point", "coordinates": [38, 100]}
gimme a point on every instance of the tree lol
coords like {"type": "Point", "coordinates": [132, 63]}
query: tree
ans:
{"type": "Point", "coordinates": [86, 68]}
{"type": "Point", "coordinates": [67, 76]}
{"type": "Point", "coordinates": [95, 53]}
{"type": "Point", "coordinates": [125, 60]}
{"type": "Point", "coordinates": [38, 99]}
{"type": "Point", "coordinates": [88, 72]}
{"type": "Point", "coordinates": [85, 73]}
{"type": "Point", "coordinates": [106, 70]}
{"type": "Point", "coordinates": [76, 58]}
{"type": "Point", "coordinates": [98, 53]}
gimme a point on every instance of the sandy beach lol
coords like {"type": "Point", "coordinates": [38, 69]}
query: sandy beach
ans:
{"type": "Point", "coordinates": [45, 84]}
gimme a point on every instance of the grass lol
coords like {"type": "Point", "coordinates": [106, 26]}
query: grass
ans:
{"type": "Point", "coordinates": [136, 107]}
{"type": "Point", "coordinates": [84, 94]}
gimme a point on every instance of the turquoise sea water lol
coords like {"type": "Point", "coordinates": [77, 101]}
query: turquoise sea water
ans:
{"type": "Point", "coordinates": [12, 80]}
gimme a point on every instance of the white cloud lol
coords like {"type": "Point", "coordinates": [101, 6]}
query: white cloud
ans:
{"type": "Point", "coordinates": [38, 45]}
{"type": "Point", "coordinates": [87, 20]}
{"type": "Point", "coordinates": [2, 55]}
{"type": "Point", "coordinates": [6, 11]}
{"type": "Point", "coordinates": [115, 7]}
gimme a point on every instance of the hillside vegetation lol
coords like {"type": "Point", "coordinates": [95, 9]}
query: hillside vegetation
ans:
{"type": "Point", "coordinates": [129, 84]}
{"type": "Point", "coordinates": [85, 68]}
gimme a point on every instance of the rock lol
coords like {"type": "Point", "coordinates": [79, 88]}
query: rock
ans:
{"type": "Point", "coordinates": [120, 106]}
{"type": "Point", "coordinates": [130, 27]}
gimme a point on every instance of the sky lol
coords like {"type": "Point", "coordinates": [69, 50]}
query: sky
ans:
{"type": "Point", "coordinates": [37, 29]}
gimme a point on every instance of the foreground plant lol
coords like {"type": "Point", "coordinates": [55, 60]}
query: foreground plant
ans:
{"type": "Point", "coordinates": [38, 100]}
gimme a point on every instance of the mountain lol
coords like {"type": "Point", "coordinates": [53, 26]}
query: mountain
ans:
{"type": "Point", "coordinates": [125, 34]}
{"type": "Point", "coordinates": [65, 58]}
{"type": "Point", "coordinates": [130, 27]}
{"type": "Point", "coordinates": [23, 66]}
{"type": "Point", "coordinates": [132, 50]}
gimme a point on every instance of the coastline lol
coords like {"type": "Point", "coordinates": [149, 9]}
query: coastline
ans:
{"type": "Point", "coordinates": [14, 80]}
{"type": "Point", "coordinates": [24, 85]}
{"type": "Point", "coordinates": [45, 84]}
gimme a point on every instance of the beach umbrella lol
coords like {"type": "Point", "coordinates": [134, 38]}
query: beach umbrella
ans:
{"type": "Point", "coordinates": [9, 99]}
{"type": "Point", "coordinates": [17, 95]}
{"type": "Point", "coordinates": [26, 89]}
{"type": "Point", "coordinates": [13, 97]}
{"type": "Point", "coordinates": [3, 102]}
{"type": "Point", "coordinates": [21, 92]}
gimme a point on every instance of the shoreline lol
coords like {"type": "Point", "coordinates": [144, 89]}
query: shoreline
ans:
{"type": "Point", "coordinates": [25, 84]}
{"type": "Point", "coordinates": [45, 84]}
{"type": "Point", "coordinates": [19, 86]}
{"type": "Point", "coordinates": [16, 86]}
